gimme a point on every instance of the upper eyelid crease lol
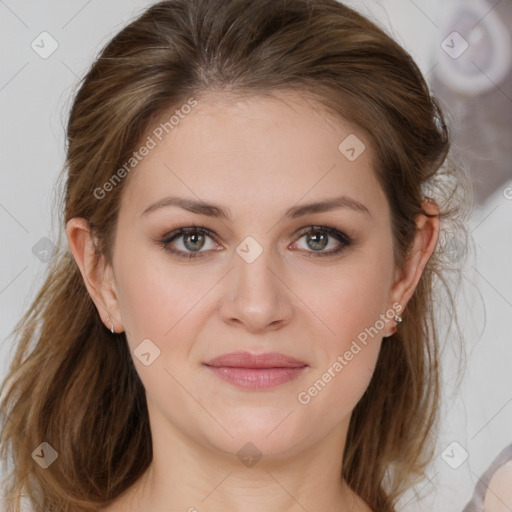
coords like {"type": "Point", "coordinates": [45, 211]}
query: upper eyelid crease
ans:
{"type": "Point", "coordinates": [217, 211]}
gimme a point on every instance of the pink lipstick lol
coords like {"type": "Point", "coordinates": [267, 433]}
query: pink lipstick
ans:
{"type": "Point", "coordinates": [256, 371]}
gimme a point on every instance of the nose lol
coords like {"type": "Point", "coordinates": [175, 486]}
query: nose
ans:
{"type": "Point", "coordinates": [256, 296]}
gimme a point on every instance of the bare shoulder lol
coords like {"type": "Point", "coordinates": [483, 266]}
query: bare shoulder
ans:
{"type": "Point", "coordinates": [498, 497]}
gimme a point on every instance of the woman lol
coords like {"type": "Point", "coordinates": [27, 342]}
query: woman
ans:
{"type": "Point", "coordinates": [243, 319]}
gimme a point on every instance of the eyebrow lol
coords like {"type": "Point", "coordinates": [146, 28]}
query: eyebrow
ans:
{"type": "Point", "coordinates": [217, 211]}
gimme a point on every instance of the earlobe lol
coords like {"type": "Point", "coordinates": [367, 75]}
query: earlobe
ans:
{"type": "Point", "coordinates": [424, 244]}
{"type": "Point", "coordinates": [94, 272]}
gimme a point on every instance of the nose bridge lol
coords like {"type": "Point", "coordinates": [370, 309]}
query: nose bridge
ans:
{"type": "Point", "coordinates": [253, 270]}
{"type": "Point", "coordinates": [256, 295]}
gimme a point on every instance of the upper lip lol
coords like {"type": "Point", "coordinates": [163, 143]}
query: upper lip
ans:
{"type": "Point", "coordinates": [248, 360]}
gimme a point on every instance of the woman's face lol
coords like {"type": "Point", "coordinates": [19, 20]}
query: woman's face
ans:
{"type": "Point", "coordinates": [249, 278]}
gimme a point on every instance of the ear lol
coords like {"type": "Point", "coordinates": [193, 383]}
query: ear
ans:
{"type": "Point", "coordinates": [424, 244]}
{"type": "Point", "coordinates": [98, 277]}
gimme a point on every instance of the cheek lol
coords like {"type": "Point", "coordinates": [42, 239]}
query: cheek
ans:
{"type": "Point", "coordinates": [336, 391]}
{"type": "Point", "coordinates": [345, 370]}
{"type": "Point", "coordinates": [153, 296]}
{"type": "Point", "coordinates": [350, 298]}
{"type": "Point", "coordinates": [160, 304]}
{"type": "Point", "coordinates": [353, 306]}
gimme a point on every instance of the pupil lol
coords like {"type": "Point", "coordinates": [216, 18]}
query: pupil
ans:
{"type": "Point", "coordinates": [195, 237]}
{"type": "Point", "coordinates": [320, 245]}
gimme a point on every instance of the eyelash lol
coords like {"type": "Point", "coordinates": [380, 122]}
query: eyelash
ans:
{"type": "Point", "coordinates": [344, 239]}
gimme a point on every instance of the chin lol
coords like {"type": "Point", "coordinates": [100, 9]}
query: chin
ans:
{"type": "Point", "coordinates": [273, 432]}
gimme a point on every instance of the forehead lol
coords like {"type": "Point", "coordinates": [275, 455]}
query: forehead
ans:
{"type": "Point", "coordinates": [262, 150]}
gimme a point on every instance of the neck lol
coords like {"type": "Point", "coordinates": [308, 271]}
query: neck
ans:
{"type": "Point", "coordinates": [187, 476]}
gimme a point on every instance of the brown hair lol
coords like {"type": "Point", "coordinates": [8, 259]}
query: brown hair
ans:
{"type": "Point", "coordinates": [66, 385]}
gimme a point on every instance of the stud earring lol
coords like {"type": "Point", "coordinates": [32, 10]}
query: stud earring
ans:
{"type": "Point", "coordinates": [111, 324]}
{"type": "Point", "coordinates": [398, 319]}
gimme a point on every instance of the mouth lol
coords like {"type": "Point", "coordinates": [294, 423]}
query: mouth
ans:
{"type": "Point", "coordinates": [256, 371]}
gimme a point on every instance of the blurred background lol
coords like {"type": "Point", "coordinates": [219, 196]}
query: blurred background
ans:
{"type": "Point", "coordinates": [464, 49]}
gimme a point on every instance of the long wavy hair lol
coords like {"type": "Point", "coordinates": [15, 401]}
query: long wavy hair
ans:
{"type": "Point", "coordinates": [73, 384]}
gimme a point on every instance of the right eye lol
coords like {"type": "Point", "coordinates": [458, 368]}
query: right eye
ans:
{"type": "Point", "coordinates": [192, 240]}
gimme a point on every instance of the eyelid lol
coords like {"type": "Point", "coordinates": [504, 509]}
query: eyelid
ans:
{"type": "Point", "coordinates": [326, 228]}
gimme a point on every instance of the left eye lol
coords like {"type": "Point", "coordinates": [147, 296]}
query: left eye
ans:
{"type": "Point", "coordinates": [317, 239]}
{"type": "Point", "coordinates": [193, 240]}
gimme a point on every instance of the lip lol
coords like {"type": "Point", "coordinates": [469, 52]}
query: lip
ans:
{"type": "Point", "coordinates": [248, 360]}
{"type": "Point", "coordinates": [256, 371]}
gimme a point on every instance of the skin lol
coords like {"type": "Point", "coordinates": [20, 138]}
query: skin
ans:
{"type": "Point", "coordinates": [256, 158]}
{"type": "Point", "coordinates": [498, 497]}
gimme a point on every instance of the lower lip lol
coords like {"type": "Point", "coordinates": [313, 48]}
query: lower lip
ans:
{"type": "Point", "coordinates": [256, 378]}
